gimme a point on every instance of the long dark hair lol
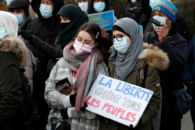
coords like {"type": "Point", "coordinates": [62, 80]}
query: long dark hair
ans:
{"type": "Point", "coordinates": [95, 32]}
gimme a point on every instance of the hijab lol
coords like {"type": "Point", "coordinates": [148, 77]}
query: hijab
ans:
{"type": "Point", "coordinates": [10, 22]}
{"type": "Point", "coordinates": [126, 62]}
{"type": "Point", "coordinates": [77, 18]}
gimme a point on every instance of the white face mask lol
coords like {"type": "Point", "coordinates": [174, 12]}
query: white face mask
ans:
{"type": "Point", "coordinates": [83, 6]}
{"type": "Point", "coordinates": [160, 19]}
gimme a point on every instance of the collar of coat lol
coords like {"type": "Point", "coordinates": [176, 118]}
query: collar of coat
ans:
{"type": "Point", "coordinates": [16, 46]}
{"type": "Point", "coordinates": [155, 57]}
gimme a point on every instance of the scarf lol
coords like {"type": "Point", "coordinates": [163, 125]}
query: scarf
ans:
{"type": "Point", "coordinates": [84, 64]}
{"type": "Point", "coordinates": [126, 62]}
{"type": "Point", "coordinates": [77, 18]}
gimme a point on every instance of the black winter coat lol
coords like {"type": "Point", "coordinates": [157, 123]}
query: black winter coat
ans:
{"type": "Point", "coordinates": [47, 30]}
{"type": "Point", "coordinates": [171, 79]}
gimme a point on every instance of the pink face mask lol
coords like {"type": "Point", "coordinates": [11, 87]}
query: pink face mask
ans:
{"type": "Point", "coordinates": [80, 47]}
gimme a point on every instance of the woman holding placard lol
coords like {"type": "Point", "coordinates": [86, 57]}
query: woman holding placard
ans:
{"type": "Point", "coordinates": [135, 63]}
{"type": "Point", "coordinates": [79, 67]}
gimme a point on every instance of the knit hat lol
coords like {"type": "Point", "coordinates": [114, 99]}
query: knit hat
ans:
{"type": "Point", "coordinates": [3, 7]}
{"type": "Point", "coordinates": [167, 8]}
{"type": "Point", "coordinates": [20, 4]}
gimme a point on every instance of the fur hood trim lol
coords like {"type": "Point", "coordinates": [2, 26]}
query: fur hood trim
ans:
{"type": "Point", "coordinates": [17, 47]}
{"type": "Point", "coordinates": [155, 57]}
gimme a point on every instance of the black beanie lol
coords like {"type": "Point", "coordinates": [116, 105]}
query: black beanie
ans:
{"type": "Point", "coordinates": [115, 27]}
{"type": "Point", "coordinates": [20, 4]}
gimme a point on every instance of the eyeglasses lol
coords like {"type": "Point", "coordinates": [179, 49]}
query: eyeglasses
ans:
{"type": "Point", "coordinates": [79, 42]}
{"type": "Point", "coordinates": [118, 37]}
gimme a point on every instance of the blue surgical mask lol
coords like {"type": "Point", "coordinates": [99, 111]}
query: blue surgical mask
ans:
{"type": "Point", "coordinates": [3, 32]}
{"type": "Point", "coordinates": [99, 6]}
{"type": "Point", "coordinates": [46, 11]}
{"type": "Point", "coordinates": [122, 46]}
{"type": "Point", "coordinates": [20, 18]}
{"type": "Point", "coordinates": [154, 2]}
{"type": "Point", "coordinates": [160, 19]}
{"type": "Point", "coordinates": [8, 2]}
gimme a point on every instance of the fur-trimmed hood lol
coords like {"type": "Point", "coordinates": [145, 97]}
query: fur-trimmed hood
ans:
{"type": "Point", "coordinates": [155, 57]}
{"type": "Point", "coordinates": [17, 47]}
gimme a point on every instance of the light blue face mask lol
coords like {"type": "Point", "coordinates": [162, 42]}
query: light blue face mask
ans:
{"type": "Point", "coordinates": [160, 19]}
{"type": "Point", "coordinates": [46, 11]}
{"type": "Point", "coordinates": [20, 18]}
{"type": "Point", "coordinates": [8, 2]}
{"type": "Point", "coordinates": [122, 46]}
{"type": "Point", "coordinates": [154, 2]}
{"type": "Point", "coordinates": [3, 32]}
{"type": "Point", "coordinates": [99, 6]}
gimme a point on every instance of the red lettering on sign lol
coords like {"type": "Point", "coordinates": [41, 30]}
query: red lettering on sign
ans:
{"type": "Point", "coordinates": [114, 110]}
{"type": "Point", "coordinates": [94, 100]}
{"type": "Point", "coordinates": [98, 104]}
{"type": "Point", "coordinates": [122, 114]}
{"type": "Point", "coordinates": [128, 115]}
{"type": "Point", "coordinates": [119, 110]}
{"type": "Point", "coordinates": [108, 110]}
{"type": "Point", "coordinates": [133, 118]}
{"type": "Point", "coordinates": [88, 100]}
{"type": "Point", "coordinates": [105, 105]}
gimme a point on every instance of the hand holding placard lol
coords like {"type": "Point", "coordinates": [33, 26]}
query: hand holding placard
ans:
{"type": "Point", "coordinates": [117, 100]}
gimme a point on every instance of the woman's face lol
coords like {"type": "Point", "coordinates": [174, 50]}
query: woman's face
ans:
{"type": "Point", "coordinates": [85, 38]}
{"type": "Point", "coordinates": [64, 19]}
{"type": "Point", "coordinates": [117, 35]}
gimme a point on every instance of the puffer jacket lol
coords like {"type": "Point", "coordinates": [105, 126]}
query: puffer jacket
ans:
{"type": "Point", "coordinates": [13, 52]}
{"type": "Point", "coordinates": [156, 60]}
{"type": "Point", "coordinates": [29, 65]}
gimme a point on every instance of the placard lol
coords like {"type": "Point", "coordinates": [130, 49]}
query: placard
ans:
{"type": "Point", "coordinates": [118, 100]}
{"type": "Point", "coordinates": [141, 29]}
{"type": "Point", "coordinates": [105, 19]}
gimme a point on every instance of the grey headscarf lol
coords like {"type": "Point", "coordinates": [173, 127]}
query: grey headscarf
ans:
{"type": "Point", "coordinates": [126, 62]}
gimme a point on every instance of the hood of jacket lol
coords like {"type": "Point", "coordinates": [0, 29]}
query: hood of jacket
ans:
{"type": "Point", "coordinates": [17, 47]}
{"type": "Point", "coordinates": [57, 6]}
{"type": "Point", "coordinates": [155, 57]}
{"type": "Point", "coordinates": [91, 10]}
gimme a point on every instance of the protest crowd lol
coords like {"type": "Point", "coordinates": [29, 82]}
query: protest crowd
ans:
{"type": "Point", "coordinates": [69, 67]}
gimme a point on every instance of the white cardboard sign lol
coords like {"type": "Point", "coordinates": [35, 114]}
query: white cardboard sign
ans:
{"type": "Point", "coordinates": [118, 100]}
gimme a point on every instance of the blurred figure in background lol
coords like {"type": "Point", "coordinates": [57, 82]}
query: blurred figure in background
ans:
{"type": "Point", "coordinates": [132, 9]}
{"type": "Point", "coordinates": [20, 8]}
{"type": "Point", "coordinates": [189, 76]}
{"type": "Point", "coordinates": [46, 27]}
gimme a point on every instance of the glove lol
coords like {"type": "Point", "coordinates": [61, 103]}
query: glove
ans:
{"type": "Point", "coordinates": [83, 108]}
{"type": "Point", "coordinates": [64, 113]}
{"type": "Point", "coordinates": [25, 34]}
{"type": "Point", "coordinates": [191, 90]}
{"type": "Point", "coordinates": [73, 99]}
{"type": "Point", "coordinates": [137, 127]}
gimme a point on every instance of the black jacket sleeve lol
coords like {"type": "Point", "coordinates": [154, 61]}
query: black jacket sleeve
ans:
{"type": "Point", "coordinates": [177, 53]}
{"type": "Point", "coordinates": [48, 50]}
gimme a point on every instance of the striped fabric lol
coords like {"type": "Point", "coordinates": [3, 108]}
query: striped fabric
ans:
{"type": "Point", "coordinates": [78, 120]}
{"type": "Point", "coordinates": [167, 8]}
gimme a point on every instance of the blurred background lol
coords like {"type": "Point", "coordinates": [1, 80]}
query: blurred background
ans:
{"type": "Point", "coordinates": [185, 7]}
